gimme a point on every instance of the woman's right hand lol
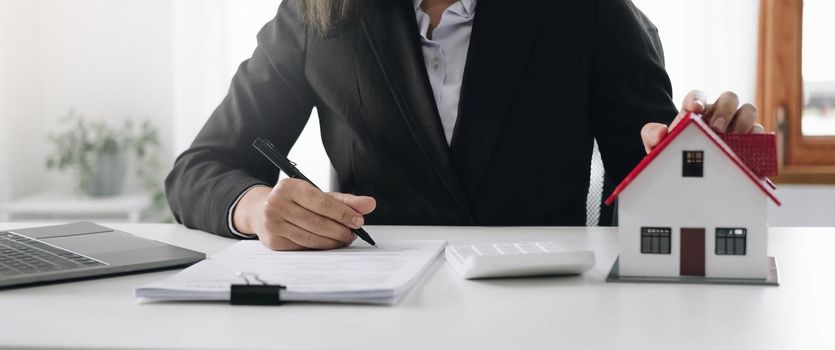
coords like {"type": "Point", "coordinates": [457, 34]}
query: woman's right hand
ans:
{"type": "Point", "coordinates": [295, 215]}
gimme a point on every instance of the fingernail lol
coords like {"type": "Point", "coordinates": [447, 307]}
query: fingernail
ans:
{"type": "Point", "coordinates": [718, 124]}
{"type": "Point", "coordinates": [700, 103]}
{"type": "Point", "coordinates": [357, 221]}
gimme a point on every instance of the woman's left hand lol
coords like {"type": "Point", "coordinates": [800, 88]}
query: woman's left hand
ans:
{"type": "Point", "coordinates": [724, 115]}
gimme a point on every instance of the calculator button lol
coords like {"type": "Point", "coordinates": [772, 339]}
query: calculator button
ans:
{"type": "Point", "coordinates": [507, 248]}
{"type": "Point", "coordinates": [485, 249]}
{"type": "Point", "coordinates": [549, 246]}
{"type": "Point", "coordinates": [529, 247]}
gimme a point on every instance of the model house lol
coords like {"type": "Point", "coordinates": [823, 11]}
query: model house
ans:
{"type": "Point", "coordinates": [696, 206]}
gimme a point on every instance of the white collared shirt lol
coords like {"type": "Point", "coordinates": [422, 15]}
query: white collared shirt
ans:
{"type": "Point", "coordinates": [446, 55]}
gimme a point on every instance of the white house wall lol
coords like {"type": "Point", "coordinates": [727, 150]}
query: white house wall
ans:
{"type": "Point", "coordinates": [723, 197]}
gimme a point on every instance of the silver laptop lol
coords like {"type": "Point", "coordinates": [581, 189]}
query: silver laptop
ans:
{"type": "Point", "coordinates": [81, 250]}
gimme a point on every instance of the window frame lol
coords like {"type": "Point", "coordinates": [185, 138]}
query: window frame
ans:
{"type": "Point", "coordinates": [697, 162]}
{"type": "Point", "coordinates": [802, 159]}
{"type": "Point", "coordinates": [729, 236]}
{"type": "Point", "coordinates": [656, 235]}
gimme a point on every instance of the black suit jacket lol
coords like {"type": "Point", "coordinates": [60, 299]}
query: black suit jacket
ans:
{"type": "Point", "coordinates": [542, 80]}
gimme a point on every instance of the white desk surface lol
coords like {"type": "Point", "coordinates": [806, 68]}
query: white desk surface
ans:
{"type": "Point", "coordinates": [580, 312]}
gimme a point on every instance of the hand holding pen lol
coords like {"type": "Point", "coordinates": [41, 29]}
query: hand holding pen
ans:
{"type": "Point", "coordinates": [296, 215]}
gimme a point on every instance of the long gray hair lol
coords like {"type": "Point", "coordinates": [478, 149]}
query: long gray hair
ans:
{"type": "Point", "coordinates": [325, 16]}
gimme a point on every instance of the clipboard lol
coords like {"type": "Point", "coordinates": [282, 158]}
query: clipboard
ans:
{"type": "Point", "coordinates": [247, 273]}
{"type": "Point", "coordinates": [260, 294]}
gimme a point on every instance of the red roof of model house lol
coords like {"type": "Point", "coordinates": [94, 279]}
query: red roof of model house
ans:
{"type": "Point", "coordinates": [757, 151]}
{"type": "Point", "coordinates": [754, 155]}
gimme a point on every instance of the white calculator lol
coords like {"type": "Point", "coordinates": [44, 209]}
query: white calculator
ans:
{"type": "Point", "coordinates": [517, 259]}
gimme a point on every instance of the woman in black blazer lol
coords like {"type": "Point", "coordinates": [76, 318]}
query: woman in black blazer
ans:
{"type": "Point", "coordinates": [541, 81]}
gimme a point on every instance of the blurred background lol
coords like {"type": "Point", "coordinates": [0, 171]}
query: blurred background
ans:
{"type": "Point", "coordinates": [98, 97]}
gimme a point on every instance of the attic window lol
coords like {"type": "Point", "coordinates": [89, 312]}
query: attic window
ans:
{"type": "Point", "coordinates": [692, 164]}
{"type": "Point", "coordinates": [731, 241]}
{"type": "Point", "coordinates": [655, 240]}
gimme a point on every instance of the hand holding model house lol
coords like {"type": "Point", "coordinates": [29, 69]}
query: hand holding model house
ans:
{"type": "Point", "coordinates": [724, 116]}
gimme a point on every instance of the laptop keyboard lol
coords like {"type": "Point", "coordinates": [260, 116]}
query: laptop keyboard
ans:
{"type": "Point", "coordinates": [21, 255]}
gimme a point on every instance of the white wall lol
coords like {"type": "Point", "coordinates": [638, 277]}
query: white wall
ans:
{"type": "Point", "coordinates": [170, 61]}
{"type": "Point", "coordinates": [18, 78]}
{"type": "Point", "coordinates": [6, 64]}
{"type": "Point", "coordinates": [70, 55]}
{"type": "Point", "coordinates": [212, 38]}
{"type": "Point", "coordinates": [710, 45]}
{"type": "Point", "coordinates": [803, 205]}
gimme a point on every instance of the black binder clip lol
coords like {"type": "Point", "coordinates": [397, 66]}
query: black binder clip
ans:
{"type": "Point", "coordinates": [254, 294]}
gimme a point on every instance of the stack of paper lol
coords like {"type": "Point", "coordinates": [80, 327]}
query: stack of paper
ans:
{"type": "Point", "coordinates": [350, 275]}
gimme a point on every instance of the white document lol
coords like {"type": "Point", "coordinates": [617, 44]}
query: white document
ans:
{"type": "Point", "coordinates": [355, 274]}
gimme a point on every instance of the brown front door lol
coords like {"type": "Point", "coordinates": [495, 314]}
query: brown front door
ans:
{"type": "Point", "coordinates": [692, 252]}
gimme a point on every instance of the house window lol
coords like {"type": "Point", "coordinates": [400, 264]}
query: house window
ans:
{"type": "Point", "coordinates": [692, 163]}
{"type": "Point", "coordinates": [730, 241]}
{"type": "Point", "coordinates": [655, 240]}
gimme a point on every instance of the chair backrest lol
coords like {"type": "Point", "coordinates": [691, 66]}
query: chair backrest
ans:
{"type": "Point", "coordinates": [594, 199]}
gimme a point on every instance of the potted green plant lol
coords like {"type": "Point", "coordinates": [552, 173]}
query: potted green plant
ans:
{"type": "Point", "coordinates": [98, 153]}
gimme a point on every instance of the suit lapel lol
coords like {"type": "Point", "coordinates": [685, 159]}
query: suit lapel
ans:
{"type": "Point", "coordinates": [392, 32]}
{"type": "Point", "coordinates": [500, 45]}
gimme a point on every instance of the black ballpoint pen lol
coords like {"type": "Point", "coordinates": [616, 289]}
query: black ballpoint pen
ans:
{"type": "Point", "coordinates": [288, 167]}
